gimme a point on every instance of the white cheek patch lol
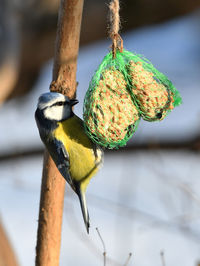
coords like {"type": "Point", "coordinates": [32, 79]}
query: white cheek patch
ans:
{"type": "Point", "coordinates": [54, 113]}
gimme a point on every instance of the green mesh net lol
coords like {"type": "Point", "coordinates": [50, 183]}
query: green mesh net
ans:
{"type": "Point", "coordinates": [121, 90]}
{"type": "Point", "coordinates": [110, 117]}
{"type": "Point", "coordinates": [153, 93]}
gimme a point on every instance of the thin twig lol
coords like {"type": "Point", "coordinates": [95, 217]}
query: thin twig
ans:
{"type": "Point", "coordinates": [128, 259]}
{"type": "Point", "coordinates": [190, 192]}
{"type": "Point", "coordinates": [104, 247]}
{"type": "Point", "coordinates": [162, 255]}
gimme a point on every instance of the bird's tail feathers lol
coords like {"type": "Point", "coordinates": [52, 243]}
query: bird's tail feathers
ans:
{"type": "Point", "coordinates": [82, 199]}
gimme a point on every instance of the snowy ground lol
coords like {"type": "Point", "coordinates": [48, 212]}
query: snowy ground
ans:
{"type": "Point", "coordinates": [139, 202]}
{"type": "Point", "coordinates": [142, 202]}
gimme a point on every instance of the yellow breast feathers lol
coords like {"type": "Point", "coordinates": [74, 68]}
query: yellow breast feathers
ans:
{"type": "Point", "coordinates": [83, 164]}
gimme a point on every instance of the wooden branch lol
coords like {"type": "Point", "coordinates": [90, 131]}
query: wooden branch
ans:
{"type": "Point", "coordinates": [53, 184]}
{"type": "Point", "coordinates": [64, 71]}
{"type": "Point", "coordinates": [50, 216]}
{"type": "Point", "coordinates": [7, 256]}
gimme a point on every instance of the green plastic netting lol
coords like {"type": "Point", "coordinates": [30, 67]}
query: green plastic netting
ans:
{"type": "Point", "coordinates": [121, 90]}
{"type": "Point", "coordinates": [153, 93]}
{"type": "Point", "coordinates": [110, 117]}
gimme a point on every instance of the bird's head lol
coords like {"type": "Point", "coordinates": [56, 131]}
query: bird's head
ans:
{"type": "Point", "coordinates": [55, 106]}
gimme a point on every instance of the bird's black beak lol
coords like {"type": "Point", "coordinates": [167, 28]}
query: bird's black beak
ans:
{"type": "Point", "coordinates": [73, 102]}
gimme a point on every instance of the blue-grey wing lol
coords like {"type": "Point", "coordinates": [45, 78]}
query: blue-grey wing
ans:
{"type": "Point", "coordinates": [61, 158]}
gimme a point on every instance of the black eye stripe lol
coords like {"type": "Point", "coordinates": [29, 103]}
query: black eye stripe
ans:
{"type": "Point", "coordinates": [59, 104]}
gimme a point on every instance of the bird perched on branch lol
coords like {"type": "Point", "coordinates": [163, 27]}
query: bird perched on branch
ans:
{"type": "Point", "coordinates": [75, 155]}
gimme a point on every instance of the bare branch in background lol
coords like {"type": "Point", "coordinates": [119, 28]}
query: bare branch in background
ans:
{"type": "Point", "coordinates": [192, 145]}
{"type": "Point", "coordinates": [104, 247]}
{"type": "Point", "coordinates": [128, 259]}
{"type": "Point", "coordinates": [7, 256]}
{"type": "Point", "coordinates": [162, 256]}
{"type": "Point", "coordinates": [9, 50]}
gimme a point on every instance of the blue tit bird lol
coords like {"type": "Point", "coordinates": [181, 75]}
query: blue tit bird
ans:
{"type": "Point", "coordinates": [75, 155]}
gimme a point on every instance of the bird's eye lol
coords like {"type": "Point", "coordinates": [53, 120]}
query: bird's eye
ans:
{"type": "Point", "coordinates": [59, 103]}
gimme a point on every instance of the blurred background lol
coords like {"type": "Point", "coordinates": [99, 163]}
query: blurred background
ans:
{"type": "Point", "coordinates": [146, 198]}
